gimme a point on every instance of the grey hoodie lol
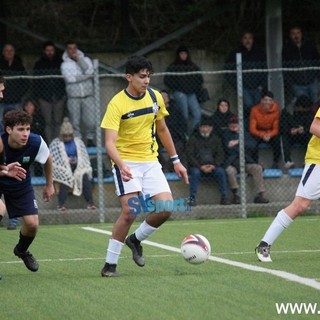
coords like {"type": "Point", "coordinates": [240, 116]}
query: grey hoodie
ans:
{"type": "Point", "coordinates": [78, 75]}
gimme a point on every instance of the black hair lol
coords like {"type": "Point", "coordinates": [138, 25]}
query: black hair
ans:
{"type": "Point", "coordinates": [47, 44]}
{"type": "Point", "coordinates": [223, 100]}
{"type": "Point", "coordinates": [136, 63]}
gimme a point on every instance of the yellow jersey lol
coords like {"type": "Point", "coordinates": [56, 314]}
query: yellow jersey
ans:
{"type": "Point", "coordinates": [135, 120]}
{"type": "Point", "coordinates": [313, 150]}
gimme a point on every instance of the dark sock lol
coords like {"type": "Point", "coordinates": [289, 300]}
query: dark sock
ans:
{"type": "Point", "coordinates": [263, 244]}
{"type": "Point", "coordinates": [24, 243]}
{"type": "Point", "coordinates": [134, 238]}
{"type": "Point", "coordinates": [1, 217]}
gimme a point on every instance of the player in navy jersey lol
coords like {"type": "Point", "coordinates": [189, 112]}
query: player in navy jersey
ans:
{"type": "Point", "coordinates": [24, 147]}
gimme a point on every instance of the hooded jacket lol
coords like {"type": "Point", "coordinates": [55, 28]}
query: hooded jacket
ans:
{"type": "Point", "coordinates": [201, 150]}
{"type": "Point", "coordinates": [78, 75]}
{"type": "Point", "coordinates": [264, 121]}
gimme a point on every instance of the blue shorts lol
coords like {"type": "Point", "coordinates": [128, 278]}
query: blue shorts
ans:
{"type": "Point", "coordinates": [21, 202]}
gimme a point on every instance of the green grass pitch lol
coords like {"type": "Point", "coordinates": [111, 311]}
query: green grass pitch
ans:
{"type": "Point", "coordinates": [68, 284]}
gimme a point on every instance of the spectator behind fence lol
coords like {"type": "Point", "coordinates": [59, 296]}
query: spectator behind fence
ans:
{"type": "Point", "coordinates": [254, 83]}
{"type": "Point", "coordinates": [11, 65]}
{"type": "Point", "coordinates": [220, 118]}
{"type": "Point", "coordinates": [49, 91]}
{"type": "Point", "coordinates": [295, 128]}
{"type": "Point", "coordinates": [185, 87]}
{"type": "Point", "coordinates": [300, 52]}
{"type": "Point", "coordinates": [205, 155]}
{"type": "Point", "coordinates": [71, 166]}
{"type": "Point", "coordinates": [264, 126]}
{"type": "Point", "coordinates": [37, 126]}
{"type": "Point", "coordinates": [77, 70]}
{"type": "Point", "coordinates": [230, 142]}
{"type": "Point", "coordinates": [178, 129]}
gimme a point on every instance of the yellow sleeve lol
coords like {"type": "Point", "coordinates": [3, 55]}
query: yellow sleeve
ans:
{"type": "Point", "coordinates": [112, 117]}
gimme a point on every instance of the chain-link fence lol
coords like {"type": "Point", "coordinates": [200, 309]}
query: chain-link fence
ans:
{"type": "Point", "coordinates": [252, 175]}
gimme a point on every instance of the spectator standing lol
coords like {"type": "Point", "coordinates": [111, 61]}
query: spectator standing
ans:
{"type": "Point", "coordinates": [230, 142]}
{"type": "Point", "coordinates": [264, 126]}
{"type": "Point", "coordinates": [294, 128]}
{"type": "Point", "coordinates": [11, 66]}
{"type": "Point", "coordinates": [254, 83]}
{"type": "Point", "coordinates": [185, 87]}
{"type": "Point", "coordinates": [77, 70]}
{"type": "Point", "coordinates": [205, 155]}
{"type": "Point", "coordinates": [71, 166]}
{"type": "Point", "coordinates": [49, 91]}
{"type": "Point", "coordinates": [178, 129]}
{"type": "Point", "coordinates": [300, 52]}
{"type": "Point", "coordinates": [220, 118]}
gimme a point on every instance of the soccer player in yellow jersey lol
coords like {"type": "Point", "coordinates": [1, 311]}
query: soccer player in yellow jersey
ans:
{"type": "Point", "coordinates": [132, 119]}
{"type": "Point", "coordinates": [308, 190]}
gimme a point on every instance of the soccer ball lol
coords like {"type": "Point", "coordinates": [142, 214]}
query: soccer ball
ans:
{"type": "Point", "coordinates": [195, 248]}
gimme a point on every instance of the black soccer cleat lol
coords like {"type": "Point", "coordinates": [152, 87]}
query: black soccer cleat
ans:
{"type": "Point", "coordinates": [136, 249]}
{"type": "Point", "coordinates": [28, 259]}
{"type": "Point", "coordinates": [109, 270]}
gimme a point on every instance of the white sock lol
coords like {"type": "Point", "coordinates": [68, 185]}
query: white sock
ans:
{"type": "Point", "coordinates": [113, 251]}
{"type": "Point", "coordinates": [144, 231]}
{"type": "Point", "coordinates": [281, 222]}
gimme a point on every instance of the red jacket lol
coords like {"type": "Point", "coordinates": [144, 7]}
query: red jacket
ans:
{"type": "Point", "coordinates": [264, 122]}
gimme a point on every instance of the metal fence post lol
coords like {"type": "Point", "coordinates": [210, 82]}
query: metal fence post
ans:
{"type": "Point", "coordinates": [241, 137]}
{"type": "Point", "coordinates": [101, 204]}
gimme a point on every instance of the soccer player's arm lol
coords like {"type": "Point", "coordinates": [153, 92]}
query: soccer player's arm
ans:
{"type": "Point", "coordinates": [315, 125]}
{"type": "Point", "coordinates": [48, 191]}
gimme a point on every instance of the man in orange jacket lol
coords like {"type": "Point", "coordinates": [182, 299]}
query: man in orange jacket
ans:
{"type": "Point", "coordinates": [264, 125]}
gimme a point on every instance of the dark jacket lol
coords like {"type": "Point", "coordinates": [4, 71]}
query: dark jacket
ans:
{"type": "Point", "coordinates": [202, 150]}
{"type": "Point", "coordinates": [220, 121]}
{"type": "Point", "coordinates": [186, 83]}
{"type": "Point", "coordinates": [49, 89]}
{"type": "Point", "coordinates": [15, 88]}
{"type": "Point", "coordinates": [253, 59]}
{"type": "Point", "coordinates": [305, 56]}
{"type": "Point", "coordinates": [233, 154]}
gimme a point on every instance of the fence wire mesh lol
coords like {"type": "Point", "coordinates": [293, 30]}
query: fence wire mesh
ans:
{"type": "Point", "coordinates": [211, 94]}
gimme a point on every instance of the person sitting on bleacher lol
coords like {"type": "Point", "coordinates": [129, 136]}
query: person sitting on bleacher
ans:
{"type": "Point", "coordinates": [71, 166]}
{"type": "Point", "coordinates": [264, 125]}
{"type": "Point", "coordinates": [230, 141]}
{"type": "Point", "coordinates": [295, 128]}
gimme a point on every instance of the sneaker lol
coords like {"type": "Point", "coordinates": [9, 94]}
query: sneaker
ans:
{"type": "Point", "coordinates": [28, 259]}
{"type": "Point", "coordinates": [109, 270]}
{"type": "Point", "coordinates": [263, 253]}
{"type": "Point", "coordinates": [260, 199]}
{"type": "Point", "coordinates": [11, 227]}
{"type": "Point", "coordinates": [91, 206]}
{"type": "Point", "coordinates": [191, 201]}
{"type": "Point", "coordinates": [289, 164]}
{"type": "Point", "coordinates": [225, 201]}
{"type": "Point", "coordinates": [136, 252]}
{"type": "Point", "coordinates": [236, 199]}
{"type": "Point", "coordinates": [62, 208]}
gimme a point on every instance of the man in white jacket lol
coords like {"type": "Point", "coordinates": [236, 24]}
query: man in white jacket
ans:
{"type": "Point", "coordinates": [77, 70]}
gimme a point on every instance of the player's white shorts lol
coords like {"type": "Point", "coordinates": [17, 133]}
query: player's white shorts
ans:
{"type": "Point", "coordinates": [148, 178]}
{"type": "Point", "coordinates": [309, 186]}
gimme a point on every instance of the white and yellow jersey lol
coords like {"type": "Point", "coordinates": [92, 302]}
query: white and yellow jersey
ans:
{"type": "Point", "coordinates": [135, 120]}
{"type": "Point", "coordinates": [313, 151]}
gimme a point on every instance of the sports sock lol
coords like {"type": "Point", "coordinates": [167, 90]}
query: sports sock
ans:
{"type": "Point", "coordinates": [113, 251]}
{"type": "Point", "coordinates": [24, 242]}
{"type": "Point", "coordinates": [281, 222]}
{"type": "Point", "coordinates": [144, 231]}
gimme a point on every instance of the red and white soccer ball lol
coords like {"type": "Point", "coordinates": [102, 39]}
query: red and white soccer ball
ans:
{"type": "Point", "coordinates": [195, 248]}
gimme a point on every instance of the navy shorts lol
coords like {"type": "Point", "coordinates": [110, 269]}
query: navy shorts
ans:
{"type": "Point", "coordinates": [21, 202]}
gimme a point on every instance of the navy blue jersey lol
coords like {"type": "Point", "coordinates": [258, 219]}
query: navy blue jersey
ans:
{"type": "Point", "coordinates": [25, 156]}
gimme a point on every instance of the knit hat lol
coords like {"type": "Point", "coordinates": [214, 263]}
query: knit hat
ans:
{"type": "Point", "coordinates": [233, 119]}
{"type": "Point", "coordinates": [206, 121]}
{"type": "Point", "coordinates": [66, 127]}
{"type": "Point", "coordinates": [182, 48]}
